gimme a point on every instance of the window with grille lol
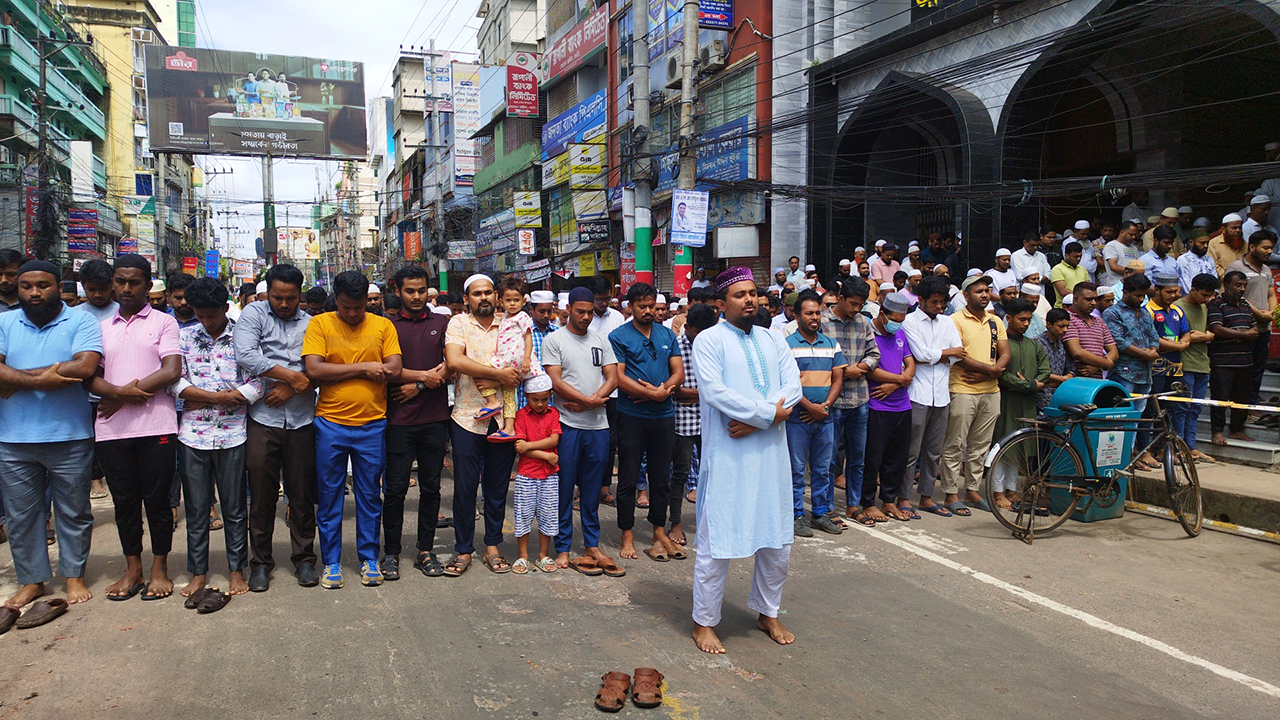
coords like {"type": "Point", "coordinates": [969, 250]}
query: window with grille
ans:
{"type": "Point", "coordinates": [624, 48]}
{"type": "Point", "coordinates": [727, 98]}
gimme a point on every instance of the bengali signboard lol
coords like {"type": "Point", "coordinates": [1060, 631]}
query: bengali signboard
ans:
{"type": "Point", "coordinates": [497, 234]}
{"type": "Point", "coordinates": [586, 166]}
{"type": "Point", "coordinates": [595, 231]}
{"type": "Point", "coordinates": [412, 244]}
{"type": "Point", "coordinates": [724, 154]}
{"type": "Point", "coordinates": [579, 43]}
{"type": "Point", "coordinates": [229, 102]}
{"type": "Point", "coordinates": [537, 271]}
{"type": "Point", "coordinates": [211, 263]}
{"type": "Point", "coordinates": [525, 243]}
{"type": "Point", "coordinates": [461, 250]}
{"type": "Point", "coordinates": [689, 217]}
{"type": "Point", "coordinates": [584, 122]}
{"type": "Point", "coordinates": [627, 269]}
{"type": "Point", "coordinates": [522, 86]}
{"type": "Point", "coordinates": [466, 121]}
{"type": "Point", "coordinates": [715, 14]}
{"type": "Point", "coordinates": [528, 209]}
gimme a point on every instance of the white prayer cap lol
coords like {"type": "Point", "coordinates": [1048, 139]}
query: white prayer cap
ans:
{"type": "Point", "coordinates": [779, 270]}
{"type": "Point", "coordinates": [626, 303]}
{"type": "Point", "coordinates": [563, 297]}
{"type": "Point", "coordinates": [1003, 252]}
{"type": "Point", "coordinates": [913, 244]}
{"type": "Point", "coordinates": [80, 291]}
{"type": "Point", "coordinates": [441, 309]}
{"type": "Point", "coordinates": [810, 268]}
{"type": "Point", "coordinates": [564, 305]}
{"type": "Point", "coordinates": [661, 299]}
{"type": "Point", "coordinates": [538, 383]}
{"type": "Point", "coordinates": [1259, 200]}
{"type": "Point", "coordinates": [374, 289]}
{"type": "Point", "coordinates": [261, 287]}
{"type": "Point", "coordinates": [1201, 222]}
{"type": "Point", "coordinates": [914, 272]}
{"type": "Point", "coordinates": [1027, 272]}
{"type": "Point", "coordinates": [1031, 289]}
{"type": "Point", "coordinates": [539, 297]}
{"type": "Point", "coordinates": [1106, 290]}
{"type": "Point", "coordinates": [972, 272]}
{"type": "Point", "coordinates": [1230, 218]}
{"type": "Point", "coordinates": [880, 243]}
{"type": "Point", "coordinates": [1000, 283]}
{"type": "Point", "coordinates": [860, 249]}
{"type": "Point", "coordinates": [466, 286]}
{"type": "Point", "coordinates": [432, 292]}
{"type": "Point", "coordinates": [684, 302]}
{"type": "Point", "coordinates": [673, 305]}
{"type": "Point", "coordinates": [1069, 298]}
{"type": "Point", "coordinates": [1082, 225]}
{"type": "Point", "coordinates": [888, 286]}
{"type": "Point", "coordinates": [1185, 210]}
{"type": "Point", "coordinates": [844, 262]}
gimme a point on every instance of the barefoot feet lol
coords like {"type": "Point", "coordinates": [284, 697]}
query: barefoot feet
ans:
{"type": "Point", "coordinates": [707, 640]}
{"type": "Point", "coordinates": [773, 628]}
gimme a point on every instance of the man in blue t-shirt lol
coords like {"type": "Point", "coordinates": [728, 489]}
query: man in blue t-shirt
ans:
{"type": "Point", "coordinates": [649, 371]}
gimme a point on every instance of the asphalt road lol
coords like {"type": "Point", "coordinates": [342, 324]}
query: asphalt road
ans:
{"type": "Point", "coordinates": [938, 618]}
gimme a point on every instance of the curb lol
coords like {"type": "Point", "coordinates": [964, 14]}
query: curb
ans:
{"type": "Point", "coordinates": [1228, 509]}
{"type": "Point", "coordinates": [1223, 527]}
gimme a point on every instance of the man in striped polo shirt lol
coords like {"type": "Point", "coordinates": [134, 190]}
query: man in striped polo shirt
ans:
{"type": "Point", "coordinates": [810, 431]}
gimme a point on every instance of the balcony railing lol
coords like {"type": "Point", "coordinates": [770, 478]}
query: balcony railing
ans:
{"type": "Point", "coordinates": [99, 172]}
{"type": "Point", "coordinates": [25, 60]}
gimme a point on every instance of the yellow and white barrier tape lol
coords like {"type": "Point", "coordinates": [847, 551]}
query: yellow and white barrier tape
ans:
{"type": "Point", "coordinates": [1226, 527]}
{"type": "Point", "coordinates": [1220, 403]}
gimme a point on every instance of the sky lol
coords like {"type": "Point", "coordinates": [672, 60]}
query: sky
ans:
{"type": "Point", "coordinates": [370, 32]}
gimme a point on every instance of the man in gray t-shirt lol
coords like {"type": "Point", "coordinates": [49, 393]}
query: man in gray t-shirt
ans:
{"type": "Point", "coordinates": [583, 372]}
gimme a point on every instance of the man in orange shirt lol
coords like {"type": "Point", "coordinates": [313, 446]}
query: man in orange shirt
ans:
{"type": "Point", "coordinates": [352, 355]}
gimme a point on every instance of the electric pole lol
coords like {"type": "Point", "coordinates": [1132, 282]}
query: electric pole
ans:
{"type": "Point", "coordinates": [683, 264]}
{"type": "Point", "coordinates": [436, 143]}
{"type": "Point", "coordinates": [640, 124]}
{"type": "Point", "coordinates": [47, 216]}
{"type": "Point", "coordinates": [269, 246]}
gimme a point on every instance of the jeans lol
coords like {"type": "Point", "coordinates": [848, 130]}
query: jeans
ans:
{"type": "Point", "coordinates": [406, 443]}
{"type": "Point", "coordinates": [581, 453]}
{"type": "Point", "coordinates": [365, 446]}
{"type": "Point", "coordinates": [139, 474]}
{"type": "Point", "coordinates": [203, 471]}
{"type": "Point", "coordinates": [28, 471]}
{"type": "Point", "coordinates": [640, 437]}
{"type": "Point", "coordinates": [1132, 388]}
{"type": "Point", "coordinates": [1186, 416]}
{"type": "Point", "coordinates": [851, 426]}
{"type": "Point", "coordinates": [812, 444]}
{"type": "Point", "coordinates": [479, 463]}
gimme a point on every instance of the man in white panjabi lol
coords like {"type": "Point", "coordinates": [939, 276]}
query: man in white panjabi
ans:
{"type": "Point", "coordinates": [744, 482]}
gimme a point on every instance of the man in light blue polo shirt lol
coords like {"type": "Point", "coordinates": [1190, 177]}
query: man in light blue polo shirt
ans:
{"type": "Point", "coordinates": [46, 432]}
{"type": "Point", "coordinates": [649, 371]}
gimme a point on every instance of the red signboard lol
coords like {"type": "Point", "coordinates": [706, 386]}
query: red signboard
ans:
{"type": "Point", "coordinates": [412, 245]}
{"type": "Point", "coordinates": [189, 265]}
{"type": "Point", "coordinates": [581, 41]}
{"type": "Point", "coordinates": [522, 92]}
{"type": "Point", "coordinates": [180, 61]}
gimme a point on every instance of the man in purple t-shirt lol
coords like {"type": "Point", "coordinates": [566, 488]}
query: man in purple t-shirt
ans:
{"type": "Point", "coordinates": [889, 417]}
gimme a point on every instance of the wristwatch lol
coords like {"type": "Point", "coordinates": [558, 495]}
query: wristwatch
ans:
{"type": "Point", "coordinates": [422, 387]}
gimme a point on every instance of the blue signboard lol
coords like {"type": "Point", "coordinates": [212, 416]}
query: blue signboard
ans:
{"type": "Point", "coordinates": [211, 263]}
{"type": "Point", "coordinates": [715, 14]}
{"type": "Point", "coordinates": [585, 121]}
{"type": "Point", "coordinates": [724, 153]}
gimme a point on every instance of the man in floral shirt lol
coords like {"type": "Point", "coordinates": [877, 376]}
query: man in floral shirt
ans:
{"type": "Point", "coordinates": [216, 392]}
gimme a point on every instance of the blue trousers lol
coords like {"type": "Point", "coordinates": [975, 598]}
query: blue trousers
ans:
{"type": "Point", "coordinates": [1132, 388]}
{"type": "Point", "coordinates": [28, 472]}
{"type": "Point", "coordinates": [365, 446]}
{"type": "Point", "coordinates": [851, 427]}
{"type": "Point", "coordinates": [1186, 416]}
{"type": "Point", "coordinates": [582, 456]}
{"type": "Point", "coordinates": [812, 444]}
{"type": "Point", "coordinates": [479, 463]}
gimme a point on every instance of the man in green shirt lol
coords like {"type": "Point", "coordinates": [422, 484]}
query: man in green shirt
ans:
{"type": "Point", "coordinates": [1020, 383]}
{"type": "Point", "coordinates": [1195, 359]}
{"type": "Point", "coordinates": [1066, 274]}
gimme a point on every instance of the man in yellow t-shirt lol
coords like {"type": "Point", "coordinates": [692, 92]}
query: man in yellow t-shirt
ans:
{"type": "Point", "coordinates": [975, 396]}
{"type": "Point", "coordinates": [351, 355]}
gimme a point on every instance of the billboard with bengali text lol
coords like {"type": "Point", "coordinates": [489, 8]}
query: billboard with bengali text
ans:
{"type": "Point", "coordinates": [204, 101]}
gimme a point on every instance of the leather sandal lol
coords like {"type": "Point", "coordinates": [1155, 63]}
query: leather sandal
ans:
{"type": "Point", "coordinates": [8, 616]}
{"type": "Point", "coordinates": [646, 692]}
{"type": "Point", "coordinates": [612, 695]}
{"type": "Point", "coordinates": [42, 612]}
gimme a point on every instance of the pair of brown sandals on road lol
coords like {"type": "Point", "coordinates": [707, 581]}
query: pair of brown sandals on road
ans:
{"type": "Point", "coordinates": [671, 551]}
{"type": "Point", "coordinates": [590, 566]}
{"type": "Point", "coordinates": [615, 687]}
{"type": "Point", "coordinates": [39, 614]}
{"type": "Point", "coordinates": [207, 600]}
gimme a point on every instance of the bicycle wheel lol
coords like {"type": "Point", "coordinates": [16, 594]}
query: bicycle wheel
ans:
{"type": "Point", "coordinates": [1027, 461]}
{"type": "Point", "coordinates": [1183, 484]}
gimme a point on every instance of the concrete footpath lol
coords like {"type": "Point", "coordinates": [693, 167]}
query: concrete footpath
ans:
{"type": "Point", "coordinates": [1231, 493]}
{"type": "Point", "coordinates": [938, 618]}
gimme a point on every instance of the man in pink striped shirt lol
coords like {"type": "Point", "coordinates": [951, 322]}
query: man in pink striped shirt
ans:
{"type": "Point", "coordinates": [137, 423]}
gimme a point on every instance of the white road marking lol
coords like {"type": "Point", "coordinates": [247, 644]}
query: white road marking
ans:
{"type": "Point", "coordinates": [1091, 620]}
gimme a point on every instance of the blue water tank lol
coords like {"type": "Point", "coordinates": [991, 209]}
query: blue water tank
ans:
{"type": "Point", "coordinates": [1107, 450]}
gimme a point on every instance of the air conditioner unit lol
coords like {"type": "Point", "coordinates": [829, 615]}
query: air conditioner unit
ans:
{"type": "Point", "coordinates": [673, 73]}
{"type": "Point", "coordinates": [711, 57]}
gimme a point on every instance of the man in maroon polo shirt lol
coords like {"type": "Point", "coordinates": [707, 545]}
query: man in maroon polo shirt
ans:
{"type": "Point", "coordinates": [417, 423]}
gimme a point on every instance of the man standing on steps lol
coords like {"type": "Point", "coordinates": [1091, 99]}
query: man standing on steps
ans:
{"type": "Point", "coordinates": [281, 434]}
{"type": "Point", "coordinates": [748, 383]}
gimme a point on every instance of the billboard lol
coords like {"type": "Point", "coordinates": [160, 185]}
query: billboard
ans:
{"type": "Point", "coordinates": [298, 243]}
{"type": "Point", "coordinates": [239, 103]}
{"type": "Point", "coordinates": [466, 121]}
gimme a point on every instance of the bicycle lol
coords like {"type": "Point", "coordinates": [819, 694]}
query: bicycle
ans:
{"type": "Point", "coordinates": [1051, 481]}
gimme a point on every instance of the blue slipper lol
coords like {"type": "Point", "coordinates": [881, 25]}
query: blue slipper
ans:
{"type": "Point", "coordinates": [938, 510]}
{"type": "Point", "coordinates": [910, 512]}
{"type": "Point", "coordinates": [486, 413]}
{"type": "Point", "coordinates": [959, 508]}
{"type": "Point", "coordinates": [501, 437]}
{"type": "Point", "coordinates": [980, 505]}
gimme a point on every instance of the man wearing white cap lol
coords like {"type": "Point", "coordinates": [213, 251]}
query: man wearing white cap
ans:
{"type": "Point", "coordinates": [1168, 218]}
{"type": "Point", "coordinates": [699, 281]}
{"type": "Point", "coordinates": [1090, 251]}
{"type": "Point", "coordinates": [1029, 258]}
{"type": "Point", "coordinates": [1184, 227]}
{"type": "Point", "coordinates": [876, 256]}
{"type": "Point", "coordinates": [1003, 273]}
{"type": "Point", "coordinates": [375, 300]}
{"type": "Point", "coordinates": [779, 277]}
{"type": "Point", "coordinates": [842, 275]}
{"type": "Point", "coordinates": [1229, 245]}
{"type": "Point", "coordinates": [1034, 294]}
{"type": "Point", "coordinates": [1259, 210]}
{"type": "Point", "coordinates": [912, 260]}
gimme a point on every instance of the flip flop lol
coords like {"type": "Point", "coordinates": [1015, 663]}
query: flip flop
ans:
{"type": "Point", "coordinates": [938, 510]}
{"type": "Point", "coordinates": [148, 596]}
{"type": "Point", "coordinates": [611, 568]}
{"type": "Point", "coordinates": [910, 512]}
{"type": "Point", "coordinates": [134, 590]}
{"type": "Point", "coordinates": [959, 508]}
{"type": "Point", "coordinates": [486, 413]}
{"type": "Point", "coordinates": [586, 566]}
{"type": "Point", "coordinates": [42, 612]}
{"type": "Point", "coordinates": [657, 556]}
{"type": "Point", "coordinates": [979, 505]}
{"type": "Point", "coordinates": [501, 437]}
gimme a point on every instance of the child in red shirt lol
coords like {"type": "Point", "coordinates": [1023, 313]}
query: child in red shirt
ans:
{"type": "Point", "coordinates": [537, 490]}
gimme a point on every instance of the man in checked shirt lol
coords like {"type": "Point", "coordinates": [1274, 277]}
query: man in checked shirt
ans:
{"type": "Point", "coordinates": [688, 418]}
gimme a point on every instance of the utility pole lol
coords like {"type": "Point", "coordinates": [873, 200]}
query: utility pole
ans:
{"type": "Point", "coordinates": [436, 143]}
{"type": "Point", "coordinates": [640, 124]}
{"type": "Point", "coordinates": [162, 208]}
{"type": "Point", "coordinates": [683, 264]}
{"type": "Point", "coordinates": [47, 218]}
{"type": "Point", "coordinates": [269, 246]}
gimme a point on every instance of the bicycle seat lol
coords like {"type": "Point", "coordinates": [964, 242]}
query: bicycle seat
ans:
{"type": "Point", "coordinates": [1078, 412]}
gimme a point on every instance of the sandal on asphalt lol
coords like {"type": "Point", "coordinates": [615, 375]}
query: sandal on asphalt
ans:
{"type": "Point", "coordinates": [646, 688]}
{"type": "Point", "coordinates": [429, 564]}
{"type": "Point", "coordinates": [610, 568]}
{"type": "Point", "coordinates": [134, 590]}
{"type": "Point", "coordinates": [193, 600]}
{"type": "Point", "coordinates": [586, 566]}
{"type": "Point", "coordinates": [215, 523]}
{"type": "Point", "coordinates": [8, 616]}
{"type": "Point", "coordinates": [548, 565]}
{"type": "Point", "coordinates": [521, 567]}
{"type": "Point", "coordinates": [981, 504]}
{"type": "Point", "coordinates": [612, 695]}
{"type": "Point", "coordinates": [149, 596]}
{"type": "Point", "coordinates": [213, 602]}
{"type": "Point", "coordinates": [959, 508]}
{"type": "Point", "coordinates": [496, 564]}
{"type": "Point", "coordinates": [657, 555]}
{"type": "Point", "coordinates": [910, 512]}
{"type": "Point", "coordinates": [863, 519]}
{"type": "Point", "coordinates": [42, 612]}
{"type": "Point", "coordinates": [938, 510]}
{"type": "Point", "coordinates": [457, 567]}
{"type": "Point", "coordinates": [609, 499]}
{"type": "Point", "coordinates": [674, 551]}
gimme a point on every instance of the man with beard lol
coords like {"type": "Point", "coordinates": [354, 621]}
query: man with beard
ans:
{"type": "Point", "coordinates": [748, 383]}
{"type": "Point", "coordinates": [1195, 261]}
{"type": "Point", "coordinates": [137, 425]}
{"type": "Point", "coordinates": [350, 354]}
{"type": "Point", "coordinates": [46, 434]}
{"type": "Point", "coordinates": [604, 321]}
{"type": "Point", "coordinates": [10, 262]}
{"type": "Point", "coordinates": [1228, 246]}
{"type": "Point", "coordinates": [470, 343]}
{"type": "Point", "coordinates": [1003, 274]}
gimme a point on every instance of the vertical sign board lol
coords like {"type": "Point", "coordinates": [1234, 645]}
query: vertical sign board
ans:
{"type": "Point", "coordinates": [412, 245]}
{"type": "Point", "coordinates": [211, 263]}
{"type": "Point", "coordinates": [528, 209]}
{"type": "Point", "coordinates": [522, 85]}
{"type": "Point", "coordinates": [525, 242]}
{"type": "Point", "coordinates": [466, 121]}
{"type": "Point", "coordinates": [689, 217]}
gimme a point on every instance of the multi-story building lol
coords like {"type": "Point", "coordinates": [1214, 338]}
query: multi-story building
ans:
{"type": "Point", "coordinates": [34, 34]}
{"type": "Point", "coordinates": [153, 193]}
{"type": "Point", "coordinates": [508, 27]}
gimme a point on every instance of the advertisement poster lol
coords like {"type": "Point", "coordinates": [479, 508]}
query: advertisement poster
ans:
{"type": "Point", "coordinates": [189, 265]}
{"type": "Point", "coordinates": [241, 103]}
{"type": "Point", "coordinates": [528, 208]}
{"type": "Point", "coordinates": [586, 166]}
{"type": "Point", "coordinates": [584, 122]}
{"type": "Point", "coordinates": [537, 271]}
{"type": "Point", "coordinates": [127, 246]}
{"type": "Point", "coordinates": [627, 269]}
{"type": "Point", "coordinates": [715, 14]}
{"type": "Point", "coordinates": [689, 217]}
{"type": "Point", "coordinates": [522, 87]}
{"type": "Point", "coordinates": [412, 245]}
{"type": "Point", "coordinates": [466, 121]}
{"type": "Point", "coordinates": [462, 250]}
{"type": "Point", "coordinates": [525, 243]}
{"type": "Point", "coordinates": [591, 233]}
{"type": "Point", "coordinates": [299, 243]}
{"type": "Point", "coordinates": [724, 153]}
{"type": "Point", "coordinates": [584, 39]}
{"type": "Point", "coordinates": [211, 263]}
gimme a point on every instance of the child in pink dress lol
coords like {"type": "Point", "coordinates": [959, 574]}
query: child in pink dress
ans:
{"type": "Point", "coordinates": [514, 350]}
